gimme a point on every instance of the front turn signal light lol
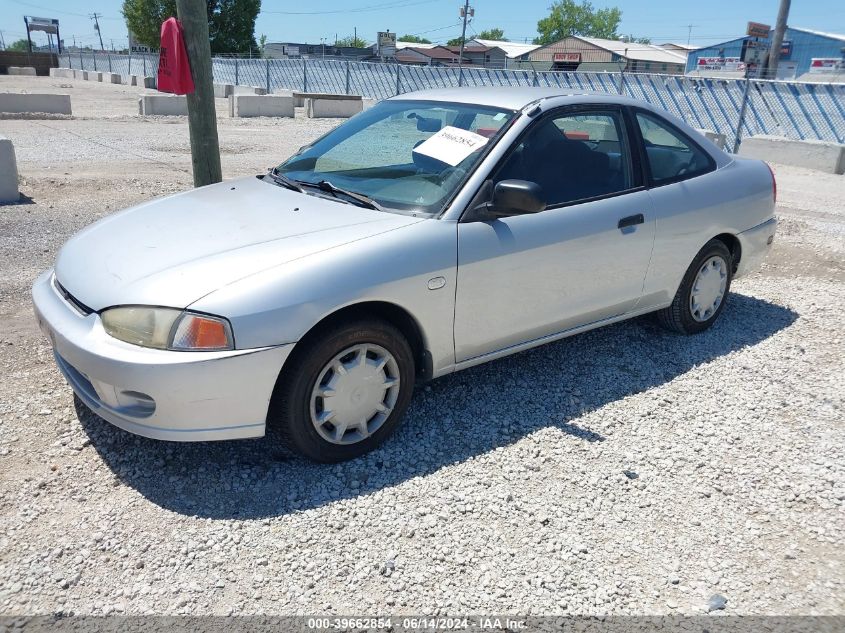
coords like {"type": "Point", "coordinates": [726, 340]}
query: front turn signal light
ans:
{"type": "Point", "coordinates": [202, 332]}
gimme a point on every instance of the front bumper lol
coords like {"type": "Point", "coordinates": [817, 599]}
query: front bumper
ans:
{"type": "Point", "coordinates": [755, 243]}
{"type": "Point", "coordinates": [181, 396]}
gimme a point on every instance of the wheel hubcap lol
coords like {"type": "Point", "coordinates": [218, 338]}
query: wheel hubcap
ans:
{"type": "Point", "coordinates": [708, 289]}
{"type": "Point", "coordinates": [355, 393]}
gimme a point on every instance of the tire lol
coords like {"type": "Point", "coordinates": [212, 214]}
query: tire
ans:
{"type": "Point", "coordinates": [680, 316]}
{"type": "Point", "coordinates": [300, 411]}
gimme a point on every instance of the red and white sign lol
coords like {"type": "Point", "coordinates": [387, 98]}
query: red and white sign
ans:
{"type": "Point", "coordinates": [567, 57]}
{"type": "Point", "coordinates": [174, 69]}
{"type": "Point", "coordinates": [826, 65]}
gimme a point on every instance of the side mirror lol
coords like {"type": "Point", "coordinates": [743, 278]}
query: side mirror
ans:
{"type": "Point", "coordinates": [516, 197]}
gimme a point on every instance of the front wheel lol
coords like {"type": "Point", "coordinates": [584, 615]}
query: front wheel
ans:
{"type": "Point", "coordinates": [345, 390]}
{"type": "Point", "coordinates": [703, 291]}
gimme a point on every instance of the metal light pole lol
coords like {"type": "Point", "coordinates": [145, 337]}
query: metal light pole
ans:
{"type": "Point", "coordinates": [463, 38]}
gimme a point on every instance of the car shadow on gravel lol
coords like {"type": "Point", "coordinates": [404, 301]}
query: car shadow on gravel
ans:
{"type": "Point", "coordinates": [451, 420]}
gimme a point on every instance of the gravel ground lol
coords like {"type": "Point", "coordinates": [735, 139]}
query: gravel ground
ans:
{"type": "Point", "coordinates": [622, 471]}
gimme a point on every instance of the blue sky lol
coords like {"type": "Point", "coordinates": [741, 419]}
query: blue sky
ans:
{"type": "Point", "coordinates": [713, 21]}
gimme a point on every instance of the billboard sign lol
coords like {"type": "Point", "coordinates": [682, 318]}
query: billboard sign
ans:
{"type": "Point", "coordinates": [386, 42]}
{"type": "Point", "coordinates": [786, 49]}
{"type": "Point", "coordinates": [729, 64]}
{"type": "Point", "coordinates": [756, 29]}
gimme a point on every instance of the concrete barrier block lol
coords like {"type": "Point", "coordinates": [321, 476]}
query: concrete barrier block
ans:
{"type": "Point", "coordinates": [248, 90]}
{"type": "Point", "coordinates": [820, 155]}
{"type": "Point", "coordinates": [260, 105]}
{"type": "Point", "coordinates": [80, 74]}
{"type": "Point", "coordinates": [17, 103]}
{"type": "Point", "coordinates": [222, 91]}
{"type": "Point", "coordinates": [95, 75]}
{"type": "Point", "coordinates": [165, 105]}
{"type": "Point", "coordinates": [316, 108]}
{"type": "Point", "coordinates": [149, 82]}
{"type": "Point", "coordinates": [8, 172]}
{"type": "Point", "coordinates": [133, 80]}
{"type": "Point", "coordinates": [65, 73]}
{"type": "Point", "coordinates": [368, 103]}
{"type": "Point", "coordinates": [718, 139]}
{"type": "Point", "coordinates": [111, 78]}
{"type": "Point", "coordinates": [29, 71]}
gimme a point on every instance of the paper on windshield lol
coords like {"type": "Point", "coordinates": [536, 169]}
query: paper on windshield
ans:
{"type": "Point", "coordinates": [451, 145]}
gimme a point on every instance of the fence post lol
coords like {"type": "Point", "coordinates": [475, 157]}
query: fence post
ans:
{"type": "Point", "coordinates": [347, 76]}
{"type": "Point", "coordinates": [742, 110]}
{"type": "Point", "coordinates": [622, 80]}
{"type": "Point", "coordinates": [268, 74]}
{"type": "Point", "coordinates": [145, 66]}
{"type": "Point", "coordinates": [94, 57]}
{"type": "Point", "coordinates": [398, 79]}
{"type": "Point", "coordinates": [237, 82]}
{"type": "Point", "coordinates": [81, 63]}
{"type": "Point", "coordinates": [535, 82]}
{"type": "Point", "coordinates": [304, 75]}
{"type": "Point", "coordinates": [129, 72]}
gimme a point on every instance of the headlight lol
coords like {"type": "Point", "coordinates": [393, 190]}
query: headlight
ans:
{"type": "Point", "coordinates": [167, 328]}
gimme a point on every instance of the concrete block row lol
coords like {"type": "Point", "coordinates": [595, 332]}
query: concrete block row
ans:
{"type": "Point", "coordinates": [300, 97]}
{"type": "Point", "coordinates": [245, 105]}
{"type": "Point", "coordinates": [820, 155]}
{"type": "Point", "coordinates": [22, 70]}
{"type": "Point", "coordinates": [319, 108]}
{"type": "Point", "coordinates": [8, 172]}
{"type": "Point", "coordinates": [165, 105]}
{"type": "Point", "coordinates": [13, 102]}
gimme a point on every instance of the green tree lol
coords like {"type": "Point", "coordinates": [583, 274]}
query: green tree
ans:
{"type": "Point", "coordinates": [416, 39]}
{"type": "Point", "coordinates": [231, 23]}
{"type": "Point", "coordinates": [351, 40]}
{"type": "Point", "coordinates": [637, 40]}
{"type": "Point", "coordinates": [20, 45]}
{"type": "Point", "coordinates": [492, 34]}
{"type": "Point", "coordinates": [455, 41]}
{"type": "Point", "coordinates": [568, 18]}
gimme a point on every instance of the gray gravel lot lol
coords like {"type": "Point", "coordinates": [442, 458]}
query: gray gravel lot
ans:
{"type": "Point", "coordinates": [626, 470]}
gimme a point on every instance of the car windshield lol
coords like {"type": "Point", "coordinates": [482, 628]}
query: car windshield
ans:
{"type": "Point", "coordinates": [407, 156]}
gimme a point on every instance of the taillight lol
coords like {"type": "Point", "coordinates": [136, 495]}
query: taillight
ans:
{"type": "Point", "coordinates": [774, 183]}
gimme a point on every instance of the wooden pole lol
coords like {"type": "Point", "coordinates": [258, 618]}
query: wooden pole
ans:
{"type": "Point", "coordinates": [202, 116]}
{"type": "Point", "coordinates": [777, 40]}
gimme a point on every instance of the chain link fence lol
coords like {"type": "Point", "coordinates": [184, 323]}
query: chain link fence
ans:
{"type": "Point", "coordinates": [801, 111]}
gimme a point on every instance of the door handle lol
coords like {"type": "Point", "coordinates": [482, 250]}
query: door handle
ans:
{"type": "Point", "coordinates": [631, 220]}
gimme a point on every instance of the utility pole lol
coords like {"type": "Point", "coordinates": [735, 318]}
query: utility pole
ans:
{"type": "Point", "coordinates": [96, 17]}
{"type": "Point", "coordinates": [202, 117]}
{"type": "Point", "coordinates": [463, 38]}
{"type": "Point", "coordinates": [777, 40]}
{"type": "Point", "coordinates": [689, 32]}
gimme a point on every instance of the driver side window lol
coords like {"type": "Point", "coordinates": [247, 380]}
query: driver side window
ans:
{"type": "Point", "coordinates": [573, 156]}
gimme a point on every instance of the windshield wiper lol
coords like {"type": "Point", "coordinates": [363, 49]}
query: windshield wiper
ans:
{"type": "Point", "coordinates": [283, 180]}
{"type": "Point", "coordinates": [360, 198]}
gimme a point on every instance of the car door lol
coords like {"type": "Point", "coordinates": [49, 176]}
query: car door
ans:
{"type": "Point", "coordinates": [581, 260]}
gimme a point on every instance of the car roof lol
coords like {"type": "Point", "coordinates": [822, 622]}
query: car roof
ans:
{"type": "Point", "coordinates": [509, 97]}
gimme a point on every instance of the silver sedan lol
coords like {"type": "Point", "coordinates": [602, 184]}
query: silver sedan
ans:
{"type": "Point", "coordinates": [433, 232]}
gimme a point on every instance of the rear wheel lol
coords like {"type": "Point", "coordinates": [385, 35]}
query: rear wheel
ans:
{"type": "Point", "coordinates": [703, 291]}
{"type": "Point", "coordinates": [345, 390]}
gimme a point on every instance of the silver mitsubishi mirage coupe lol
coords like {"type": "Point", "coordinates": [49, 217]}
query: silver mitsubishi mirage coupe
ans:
{"type": "Point", "coordinates": [430, 233]}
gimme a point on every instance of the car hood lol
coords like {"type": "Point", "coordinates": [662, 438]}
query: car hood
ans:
{"type": "Point", "coordinates": [175, 250]}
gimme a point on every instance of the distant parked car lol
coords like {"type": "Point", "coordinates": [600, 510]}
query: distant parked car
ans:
{"type": "Point", "coordinates": [433, 232]}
